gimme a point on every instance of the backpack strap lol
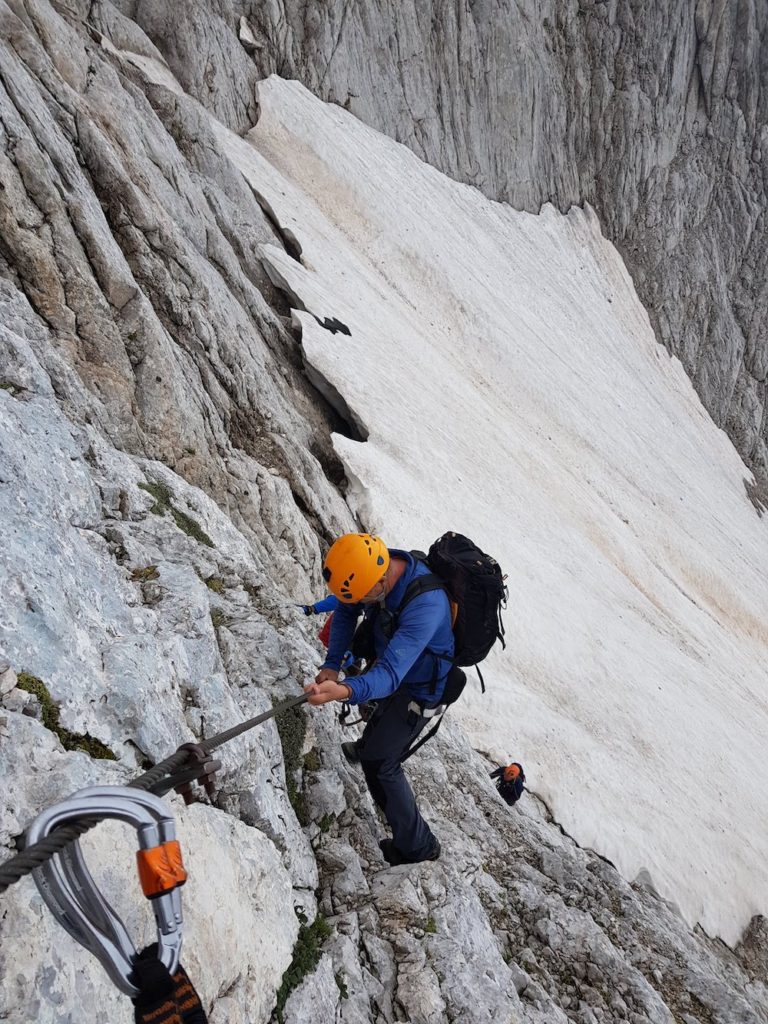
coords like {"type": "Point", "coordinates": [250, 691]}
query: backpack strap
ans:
{"type": "Point", "coordinates": [423, 584]}
{"type": "Point", "coordinates": [480, 677]}
{"type": "Point", "coordinates": [424, 739]}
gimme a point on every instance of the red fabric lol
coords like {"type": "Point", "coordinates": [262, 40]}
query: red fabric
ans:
{"type": "Point", "coordinates": [324, 636]}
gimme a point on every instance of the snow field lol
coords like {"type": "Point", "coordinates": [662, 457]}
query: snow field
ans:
{"type": "Point", "coordinates": [512, 389]}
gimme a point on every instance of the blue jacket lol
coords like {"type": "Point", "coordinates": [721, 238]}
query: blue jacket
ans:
{"type": "Point", "coordinates": [425, 623]}
{"type": "Point", "coordinates": [328, 604]}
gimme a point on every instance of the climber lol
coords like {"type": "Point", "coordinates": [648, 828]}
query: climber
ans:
{"type": "Point", "coordinates": [327, 604]}
{"type": "Point", "coordinates": [349, 664]}
{"type": "Point", "coordinates": [413, 647]}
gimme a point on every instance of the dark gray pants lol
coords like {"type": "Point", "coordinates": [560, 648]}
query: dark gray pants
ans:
{"type": "Point", "coordinates": [390, 731]}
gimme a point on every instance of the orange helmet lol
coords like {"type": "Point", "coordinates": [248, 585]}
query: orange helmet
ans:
{"type": "Point", "coordinates": [354, 565]}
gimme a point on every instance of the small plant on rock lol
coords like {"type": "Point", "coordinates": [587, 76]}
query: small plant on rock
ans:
{"type": "Point", "coordinates": [50, 715]}
{"type": "Point", "coordinates": [163, 503]}
{"type": "Point", "coordinates": [306, 956]}
{"type": "Point", "coordinates": [312, 760]}
{"type": "Point", "coordinates": [145, 574]}
{"type": "Point", "coordinates": [292, 728]}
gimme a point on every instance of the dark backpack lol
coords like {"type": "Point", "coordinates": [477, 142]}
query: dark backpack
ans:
{"type": "Point", "coordinates": [476, 589]}
{"type": "Point", "coordinates": [475, 586]}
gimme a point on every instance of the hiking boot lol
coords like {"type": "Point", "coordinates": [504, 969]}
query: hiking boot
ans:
{"type": "Point", "coordinates": [393, 856]}
{"type": "Point", "coordinates": [349, 750]}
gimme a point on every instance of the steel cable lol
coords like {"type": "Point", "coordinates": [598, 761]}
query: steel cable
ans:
{"type": "Point", "coordinates": [16, 867]}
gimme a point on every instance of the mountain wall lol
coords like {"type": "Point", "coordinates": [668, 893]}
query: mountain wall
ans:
{"type": "Point", "coordinates": [655, 114]}
{"type": "Point", "coordinates": [167, 479]}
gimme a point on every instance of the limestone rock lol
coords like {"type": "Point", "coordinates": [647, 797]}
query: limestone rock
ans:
{"type": "Point", "coordinates": [316, 998]}
{"type": "Point", "coordinates": [327, 794]}
{"type": "Point", "coordinates": [174, 479]}
{"type": "Point", "coordinates": [7, 678]}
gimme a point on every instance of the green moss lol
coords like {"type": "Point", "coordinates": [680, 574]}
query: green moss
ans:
{"type": "Point", "coordinates": [217, 617]}
{"type": "Point", "coordinates": [162, 497]}
{"type": "Point", "coordinates": [164, 503]}
{"type": "Point", "coordinates": [430, 927]}
{"type": "Point", "coordinates": [326, 821]}
{"type": "Point", "coordinates": [144, 575]}
{"type": "Point", "coordinates": [50, 710]}
{"type": "Point", "coordinates": [299, 804]}
{"type": "Point", "coordinates": [312, 760]}
{"type": "Point", "coordinates": [292, 728]}
{"type": "Point", "coordinates": [306, 956]}
{"type": "Point", "coordinates": [215, 584]}
{"type": "Point", "coordinates": [343, 990]}
{"type": "Point", "coordinates": [193, 529]}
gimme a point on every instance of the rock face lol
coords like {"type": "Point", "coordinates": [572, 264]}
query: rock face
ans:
{"type": "Point", "coordinates": [657, 115]}
{"type": "Point", "coordinates": [111, 231]}
{"type": "Point", "coordinates": [166, 477]}
{"type": "Point", "coordinates": [515, 924]}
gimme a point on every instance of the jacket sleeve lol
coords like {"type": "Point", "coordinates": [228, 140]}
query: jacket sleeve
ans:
{"type": "Point", "coordinates": [328, 604]}
{"type": "Point", "coordinates": [418, 624]}
{"type": "Point", "coordinates": [342, 630]}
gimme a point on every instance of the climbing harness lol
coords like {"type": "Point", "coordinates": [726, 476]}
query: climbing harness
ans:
{"type": "Point", "coordinates": [73, 898]}
{"type": "Point", "coordinates": [510, 782]}
{"type": "Point", "coordinates": [455, 682]}
{"type": "Point", "coordinates": [364, 712]}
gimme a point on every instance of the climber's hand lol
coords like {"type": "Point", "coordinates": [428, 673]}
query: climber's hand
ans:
{"type": "Point", "coordinates": [327, 690]}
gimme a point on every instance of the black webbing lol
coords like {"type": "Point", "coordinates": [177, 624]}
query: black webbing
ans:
{"type": "Point", "coordinates": [164, 998]}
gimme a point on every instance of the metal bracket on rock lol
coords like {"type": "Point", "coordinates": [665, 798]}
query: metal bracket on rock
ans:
{"type": "Point", "coordinates": [202, 769]}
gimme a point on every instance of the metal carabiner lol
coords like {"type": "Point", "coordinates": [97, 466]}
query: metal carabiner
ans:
{"type": "Point", "coordinates": [90, 898]}
{"type": "Point", "coordinates": [71, 894]}
{"type": "Point", "coordinates": [74, 898]}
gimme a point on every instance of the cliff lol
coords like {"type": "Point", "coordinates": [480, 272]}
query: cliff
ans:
{"type": "Point", "coordinates": [169, 470]}
{"type": "Point", "coordinates": [656, 115]}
